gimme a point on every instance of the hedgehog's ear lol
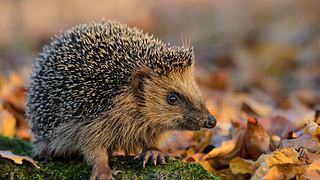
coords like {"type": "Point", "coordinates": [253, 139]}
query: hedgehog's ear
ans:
{"type": "Point", "coordinates": [138, 80]}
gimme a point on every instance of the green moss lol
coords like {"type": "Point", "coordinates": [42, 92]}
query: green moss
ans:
{"type": "Point", "coordinates": [16, 146]}
{"type": "Point", "coordinates": [78, 170]}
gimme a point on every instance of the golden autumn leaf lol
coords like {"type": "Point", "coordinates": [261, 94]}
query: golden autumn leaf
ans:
{"type": "Point", "coordinates": [281, 164]}
{"type": "Point", "coordinates": [313, 171]}
{"type": "Point", "coordinates": [222, 155]}
{"type": "Point", "coordinates": [7, 123]}
{"type": "Point", "coordinates": [17, 159]}
{"type": "Point", "coordinates": [284, 171]}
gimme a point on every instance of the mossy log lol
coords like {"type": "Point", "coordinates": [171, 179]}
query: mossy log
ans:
{"type": "Point", "coordinates": [129, 168]}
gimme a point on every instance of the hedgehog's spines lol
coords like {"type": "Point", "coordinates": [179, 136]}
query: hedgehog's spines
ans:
{"type": "Point", "coordinates": [102, 87]}
{"type": "Point", "coordinates": [103, 55]}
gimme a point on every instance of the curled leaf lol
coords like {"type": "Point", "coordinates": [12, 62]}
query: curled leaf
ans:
{"type": "Point", "coordinates": [257, 140]}
{"type": "Point", "coordinates": [281, 164]}
{"type": "Point", "coordinates": [17, 159]}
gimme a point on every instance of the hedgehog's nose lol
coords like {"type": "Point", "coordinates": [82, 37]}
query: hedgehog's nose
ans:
{"type": "Point", "coordinates": [211, 121]}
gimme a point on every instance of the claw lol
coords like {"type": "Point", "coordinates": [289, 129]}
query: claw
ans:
{"type": "Point", "coordinates": [162, 159]}
{"type": "Point", "coordinates": [115, 172]}
{"type": "Point", "coordinates": [153, 156]}
{"type": "Point", "coordinates": [146, 158]}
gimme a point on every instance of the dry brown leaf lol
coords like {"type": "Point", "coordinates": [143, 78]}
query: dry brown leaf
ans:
{"type": "Point", "coordinates": [221, 156]}
{"type": "Point", "coordinates": [257, 140]}
{"type": "Point", "coordinates": [281, 164]}
{"type": "Point", "coordinates": [313, 171]}
{"type": "Point", "coordinates": [226, 148]}
{"type": "Point", "coordinates": [12, 94]}
{"type": "Point", "coordinates": [7, 123]}
{"type": "Point", "coordinates": [305, 141]}
{"type": "Point", "coordinates": [7, 84]}
{"type": "Point", "coordinates": [308, 141]}
{"type": "Point", "coordinates": [17, 159]}
{"type": "Point", "coordinates": [283, 156]}
{"type": "Point", "coordinates": [277, 125]}
{"type": "Point", "coordinates": [309, 157]}
{"type": "Point", "coordinates": [241, 166]}
{"type": "Point", "coordinates": [251, 141]}
{"type": "Point", "coordinates": [16, 97]}
{"type": "Point", "coordinates": [284, 171]}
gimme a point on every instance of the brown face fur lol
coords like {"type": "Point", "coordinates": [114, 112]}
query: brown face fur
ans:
{"type": "Point", "coordinates": [187, 113]}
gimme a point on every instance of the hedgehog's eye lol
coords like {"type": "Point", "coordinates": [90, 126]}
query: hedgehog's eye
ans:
{"type": "Point", "coordinates": [172, 98]}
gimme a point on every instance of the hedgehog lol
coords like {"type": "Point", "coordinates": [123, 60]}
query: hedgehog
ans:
{"type": "Point", "coordinates": [102, 87]}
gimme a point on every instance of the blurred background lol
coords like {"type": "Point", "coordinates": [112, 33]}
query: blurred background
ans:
{"type": "Point", "coordinates": [253, 58]}
{"type": "Point", "coordinates": [270, 45]}
{"type": "Point", "coordinates": [269, 49]}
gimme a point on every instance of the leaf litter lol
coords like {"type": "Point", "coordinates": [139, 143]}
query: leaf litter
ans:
{"type": "Point", "coordinates": [265, 130]}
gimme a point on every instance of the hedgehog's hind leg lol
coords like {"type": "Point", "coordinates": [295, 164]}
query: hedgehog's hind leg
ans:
{"type": "Point", "coordinates": [99, 159]}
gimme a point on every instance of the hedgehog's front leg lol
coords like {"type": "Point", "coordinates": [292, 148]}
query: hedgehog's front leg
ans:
{"type": "Point", "coordinates": [153, 155]}
{"type": "Point", "coordinates": [99, 158]}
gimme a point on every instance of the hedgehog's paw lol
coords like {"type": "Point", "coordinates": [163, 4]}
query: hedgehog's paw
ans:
{"type": "Point", "coordinates": [153, 156]}
{"type": "Point", "coordinates": [104, 174]}
{"type": "Point", "coordinates": [100, 162]}
{"type": "Point", "coordinates": [101, 174]}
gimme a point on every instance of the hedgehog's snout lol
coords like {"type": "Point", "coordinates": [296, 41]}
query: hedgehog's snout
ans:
{"type": "Point", "coordinates": [211, 122]}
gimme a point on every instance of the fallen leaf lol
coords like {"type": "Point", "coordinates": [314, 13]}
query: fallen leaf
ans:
{"type": "Point", "coordinates": [221, 156]}
{"type": "Point", "coordinates": [257, 140]}
{"type": "Point", "coordinates": [17, 159]}
{"type": "Point", "coordinates": [7, 123]}
{"type": "Point", "coordinates": [16, 97]}
{"type": "Point", "coordinates": [284, 171]}
{"type": "Point", "coordinates": [308, 141]}
{"type": "Point", "coordinates": [281, 164]}
{"type": "Point", "coordinates": [277, 125]}
{"type": "Point", "coordinates": [305, 141]}
{"type": "Point", "coordinates": [309, 157]}
{"type": "Point", "coordinates": [313, 171]}
{"type": "Point", "coordinates": [241, 166]}
{"type": "Point", "coordinates": [283, 156]}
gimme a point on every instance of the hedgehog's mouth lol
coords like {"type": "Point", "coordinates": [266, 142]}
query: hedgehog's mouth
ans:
{"type": "Point", "coordinates": [190, 127]}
